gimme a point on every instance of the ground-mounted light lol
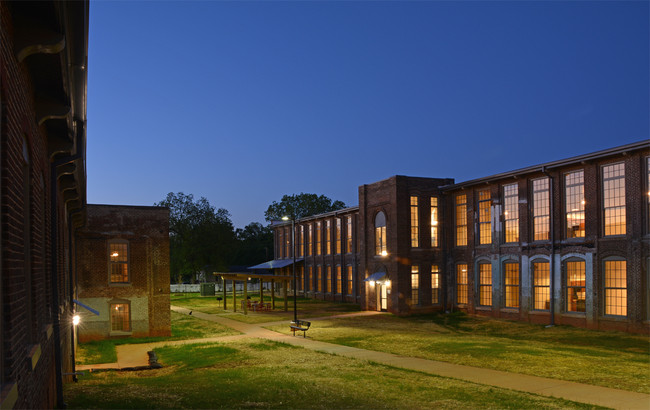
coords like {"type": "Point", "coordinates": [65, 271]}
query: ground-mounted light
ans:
{"type": "Point", "coordinates": [76, 320]}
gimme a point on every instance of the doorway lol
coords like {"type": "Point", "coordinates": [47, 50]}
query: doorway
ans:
{"type": "Point", "coordinates": [382, 297]}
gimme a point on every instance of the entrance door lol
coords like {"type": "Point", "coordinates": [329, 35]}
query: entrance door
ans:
{"type": "Point", "coordinates": [383, 298]}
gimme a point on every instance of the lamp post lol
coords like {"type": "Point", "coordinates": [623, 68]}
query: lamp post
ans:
{"type": "Point", "coordinates": [293, 252]}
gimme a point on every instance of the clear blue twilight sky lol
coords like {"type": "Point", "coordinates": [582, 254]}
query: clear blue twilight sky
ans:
{"type": "Point", "coordinates": [243, 102]}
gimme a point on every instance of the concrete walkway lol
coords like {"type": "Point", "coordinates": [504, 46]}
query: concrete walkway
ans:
{"type": "Point", "coordinates": [136, 355]}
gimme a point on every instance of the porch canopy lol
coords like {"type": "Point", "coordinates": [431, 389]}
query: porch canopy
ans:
{"type": "Point", "coordinates": [275, 264]}
{"type": "Point", "coordinates": [379, 277]}
{"type": "Point", "coordinates": [244, 277]}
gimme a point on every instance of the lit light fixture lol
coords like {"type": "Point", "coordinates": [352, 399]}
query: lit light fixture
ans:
{"type": "Point", "coordinates": [285, 218]}
{"type": "Point", "coordinates": [583, 202]}
{"type": "Point", "coordinates": [371, 283]}
{"type": "Point", "coordinates": [387, 283]}
{"type": "Point", "coordinates": [115, 254]}
{"type": "Point", "coordinates": [505, 213]}
{"type": "Point", "coordinates": [434, 223]}
{"type": "Point", "coordinates": [384, 253]}
{"type": "Point", "coordinates": [75, 320]}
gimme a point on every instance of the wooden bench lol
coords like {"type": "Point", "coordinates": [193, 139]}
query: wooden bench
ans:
{"type": "Point", "coordinates": [299, 325]}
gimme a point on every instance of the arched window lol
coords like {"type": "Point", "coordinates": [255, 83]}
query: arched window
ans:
{"type": "Point", "coordinates": [380, 234]}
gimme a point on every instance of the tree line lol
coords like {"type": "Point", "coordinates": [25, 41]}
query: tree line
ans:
{"type": "Point", "coordinates": [203, 239]}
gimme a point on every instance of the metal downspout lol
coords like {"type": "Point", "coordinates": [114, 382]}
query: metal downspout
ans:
{"type": "Point", "coordinates": [73, 286]}
{"type": "Point", "coordinates": [56, 323]}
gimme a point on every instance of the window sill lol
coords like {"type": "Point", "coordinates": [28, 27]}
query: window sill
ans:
{"type": "Point", "coordinates": [119, 284]}
{"type": "Point", "coordinates": [484, 308]}
{"type": "Point", "coordinates": [34, 355]}
{"type": "Point", "coordinates": [613, 318]}
{"type": "Point", "coordinates": [539, 312]}
{"type": "Point", "coordinates": [119, 333]}
{"type": "Point", "coordinates": [574, 314]}
{"type": "Point", "coordinates": [9, 396]}
{"type": "Point", "coordinates": [509, 310]}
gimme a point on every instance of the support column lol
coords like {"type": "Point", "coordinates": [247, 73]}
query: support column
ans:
{"type": "Point", "coordinates": [261, 290]}
{"type": "Point", "coordinates": [285, 285]}
{"type": "Point", "coordinates": [273, 293]}
{"type": "Point", "coordinates": [234, 295]}
{"type": "Point", "coordinates": [245, 296]}
{"type": "Point", "coordinates": [223, 281]}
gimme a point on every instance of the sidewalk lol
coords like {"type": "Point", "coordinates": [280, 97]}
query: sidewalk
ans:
{"type": "Point", "coordinates": [136, 355]}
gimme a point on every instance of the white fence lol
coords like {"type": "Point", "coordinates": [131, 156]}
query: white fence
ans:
{"type": "Point", "coordinates": [196, 288]}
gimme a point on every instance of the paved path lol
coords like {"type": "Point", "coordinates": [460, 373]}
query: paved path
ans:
{"type": "Point", "coordinates": [135, 355]}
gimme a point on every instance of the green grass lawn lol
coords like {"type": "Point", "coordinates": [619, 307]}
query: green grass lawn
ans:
{"type": "Point", "coordinates": [183, 327]}
{"type": "Point", "coordinates": [255, 373]}
{"type": "Point", "coordinates": [306, 307]}
{"type": "Point", "coordinates": [611, 359]}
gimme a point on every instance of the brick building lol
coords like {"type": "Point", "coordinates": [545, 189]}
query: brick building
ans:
{"type": "Point", "coordinates": [124, 273]}
{"type": "Point", "coordinates": [43, 79]}
{"type": "Point", "coordinates": [566, 242]}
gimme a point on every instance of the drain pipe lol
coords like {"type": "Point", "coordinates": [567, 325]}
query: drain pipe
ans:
{"type": "Point", "coordinates": [552, 229]}
{"type": "Point", "coordinates": [72, 287]}
{"type": "Point", "coordinates": [54, 276]}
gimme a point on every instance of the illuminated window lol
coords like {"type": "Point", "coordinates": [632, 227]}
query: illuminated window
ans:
{"type": "Point", "coordinates": [575, 286]}
{"type": "Point", "coordinates": [318, 238]}
{"type": "Point", "coordinates": [541, 286]}
{"type": "Point", "coordinates": [484, 217]}
{"type": "Point", "coordinates": [574, 204]}
{"type": "Point", "coordinates": [541, 209]}
{"type": "Point", "coordinates": [281, 243]}
{"type": "Point", "coordinates": [328, 278]}
{"type": "Point", "coordinates": [512, 284]}
{"type": "Point", "coordinates": [415, 223]}
{"type": "Point", "coordinates": [435, 285]}
{"type": "Point", "coordinates": [485, 284]}
{"type": "Point", "coordinates": [301, 278]}
{"type": "Point", "coordinates": [120, 317]}
{"type": "Point", "coordinates": [616, 288]}
{"type": "Point", "coordinates": [287, 242]}
{"type": "Point", "coordinates": [434, 221]}
{"type": "Point", "coordinates": [310, 236]}
{"type": "Point", "coordinates": [461, 220]}
{"type": "Point", "coordinates": [119, 262]}
{"type": "Point", "coordinates": [348, 234]}
{"type": "Point", "coordinates": [415, 285]}
{"type": "Point", "coordinates": [328, 237]}
{"type": "Point", "coordinates": [614, 199]}
{"type": "Point", "coordinates": [350, 284]}
{"type": "Point", "coordinates": [511, 212]}
{"type": "Point", "coordinates": [338, 235]}
{"type": "Point", "coordinates": [380, 234]}
{"type": "Point", "coordinates": [461, 283]}
{"type": "Point", "coordinates": [339, 280]}
{"type": "Point", "coordinates": [301, 241]}
{"type": "Point", "coordinates": [319, 278]}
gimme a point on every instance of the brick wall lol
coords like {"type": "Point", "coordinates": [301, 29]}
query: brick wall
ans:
{"type": "Point", "coordinates": [146, 231]}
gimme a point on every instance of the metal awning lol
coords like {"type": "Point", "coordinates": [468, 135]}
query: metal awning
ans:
{"type": "Point", "coordinates": [376, 277]}
{"type": "Point", "coordinates": [275, 264]}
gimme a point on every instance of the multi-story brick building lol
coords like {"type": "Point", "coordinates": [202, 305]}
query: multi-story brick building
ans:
{"type": "Point", "coordinates": [566, 242]}
{"type": "Point", "coordinates": [43, 77]}
{"type": "Point", "coordinates": [124, 273]}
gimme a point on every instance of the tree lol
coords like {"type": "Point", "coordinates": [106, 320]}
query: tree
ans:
{"type": "Point", "coordinates": [200, 235]}
{"type": "Point", "coordinates": [300, 206]}
{"type": "Point", "coordinates": [255, 244]}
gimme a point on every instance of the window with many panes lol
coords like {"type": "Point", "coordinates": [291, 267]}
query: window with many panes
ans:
{"type": "Point", "coordinates": [461, 220]}
{"type": "Point", "coordinates": [120, 317]}
{"type": "Point", "coordinates": [287, 242]}
{"type": "Point", "coordinates": [338, 236]}
{"type": "Point", "coordinates": [435, 285]}
{"type": "Point", "coordinates": [614, 199]}
{"type": "Point", "coordinates": [484, 217]}
{"type": "Point", "coordinates": [348, 235]}
{"type": "Point", "coordinates": [319, 235]}
{"type": "Point", "coordinates": [415, 223]}
{"type": "Point", "coordinates": [511, 212]}
{"type": "Point", "coordinates": [511, 282]}
{"type": "Point", "coordinates": [461, 283]}
{"type": "Point", "coordinates": [328, 237]}
{"type": "Point", "coordinates": [339, 280]}
{"type": "Point", "coordinates": [541, 286]}
{"type": "Point", "coordinates": [434, 221]}
{"type": "Point", "coordinates": [575, 286]}
{"type": "Point", "coordinates": [485, 284]}
{"type": "Point", "coordinates": [616, 287]}
{"type": "Point", "coordinates": [319, 278]}
{"type": "Point", "coordinates": [301, 241]}
{"type": "Point", "coordinates": [541, 209]}
{"type": "Point", "coordinates": [119, 262]}
{"type": "Point", "coordinates": [380, 234]}
{"type": "Point", "coordinates": [301, 278]}
{"type": "Point", "coordinates": [328, 277]}
{"type": "Point", "coordinates": [415, 285]}
{"type": "Point", "coordinates": [350, 283]}
{"type": "Point", "coordinates": [309, 278]}
{"type": "Point", "coordinates": [310, 238]}
{"type": "Point", "coordinates": [281, 243]}
{"type": "Point", "coordinates": [574, 204]}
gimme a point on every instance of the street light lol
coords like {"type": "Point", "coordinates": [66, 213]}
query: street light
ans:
{"type": "Point", "coordinates": [293, 252]}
